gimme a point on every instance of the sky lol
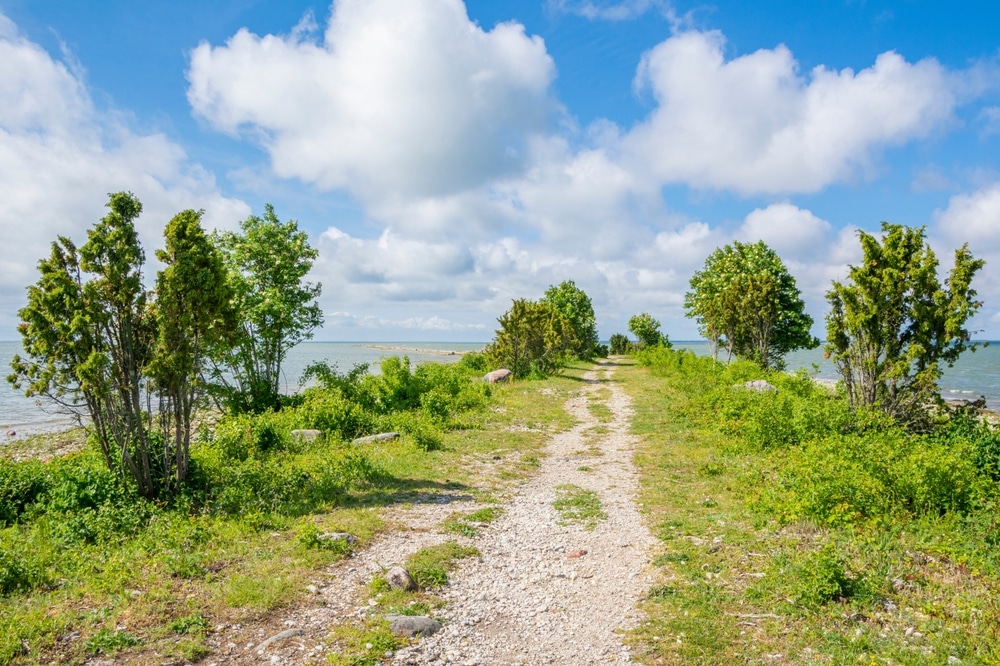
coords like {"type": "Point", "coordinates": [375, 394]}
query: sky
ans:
{"type": "Point", "coordinates": [447, 158]}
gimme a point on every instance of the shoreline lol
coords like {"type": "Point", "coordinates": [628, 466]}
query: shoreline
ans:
{"type": "Point", "coordinates": [419, 350]}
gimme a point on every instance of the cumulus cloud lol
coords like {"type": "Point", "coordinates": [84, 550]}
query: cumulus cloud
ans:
{"type": "Point", "coordinates": [754, 124]}
{"type": "Point", "coordinates": [973, 218]}
{"type": "Point", "coordinates": [792, 232]}
{"type": "Point", "coordinates": [60, 156]}
{"type": "Point", "coordinates": [404, 97]}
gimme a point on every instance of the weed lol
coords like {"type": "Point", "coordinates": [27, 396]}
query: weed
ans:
{"type": "Point", "coordinates": [429, 567]}
{"type": "Point", "coordinates": [108, 641]}
{"type": "Point", "coordinates": [363, 646]}
{"type": "Point", "coordinates": [577, 505]}
{"type": "Point", "coordinates": [469, 525]}
{"type": "Point", "coordinates": [189, 624]}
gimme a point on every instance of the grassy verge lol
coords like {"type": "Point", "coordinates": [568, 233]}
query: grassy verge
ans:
{"type": "Point", "coordinates": [106, 574]}
{"type": "Point", "coordinates": [793, 533]}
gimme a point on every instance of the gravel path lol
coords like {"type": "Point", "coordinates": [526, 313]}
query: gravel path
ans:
{"type": "Point", "coordinates": [542, 592]}
{"type": "Point", "coordinates": [532, 598]}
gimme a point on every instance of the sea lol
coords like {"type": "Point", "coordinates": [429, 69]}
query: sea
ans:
{"type": "Point", "coordinates": [26, 416]}
{"type": "Point", "coordinates": [974, 375]}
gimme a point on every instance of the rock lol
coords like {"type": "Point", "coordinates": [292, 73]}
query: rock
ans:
{"type": "Point", "coordinates": [287, 633]}
{"type": "Point", "coordinates": [412, 625]}
{"type": "Point", "coordinates": [381, 437]}
{"type": "Point", "coordinates": [501, 376]}
{"type": "Point", "coordinates": [338, 536]}
{"type": "Point", "coordinates": [577, 553]}
{"type": "Point", "coordinates": [307, 435]}
{"type": "Point", "coordinates": [760, 385]}
{"type": "Point", "coordinates": [400, 579]}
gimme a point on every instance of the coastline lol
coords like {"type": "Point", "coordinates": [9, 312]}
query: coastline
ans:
{"type": "Point", "coordinates": [420, 350]}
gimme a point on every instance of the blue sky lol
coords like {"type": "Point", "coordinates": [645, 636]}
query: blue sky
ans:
{"type": "Point", "coordinates": [446, 158]}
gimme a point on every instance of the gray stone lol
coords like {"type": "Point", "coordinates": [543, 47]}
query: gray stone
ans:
{"type": "Point", "coordinates": [400, 579]}
{"type": "Point", "coordinates": [410, 626]}
{"type": "Point", "coordinates": [760, 385]}
{"type": "Point", "coordinates": [500, 376]}
{"type": "Point", "coordinates": [381, 437]}
{"type": "Point", "coordinates": [307, 435]}
{"type": "Point", "coordinates": [338, 536]}
{"type": "Point", "coordinates": [284, 635]}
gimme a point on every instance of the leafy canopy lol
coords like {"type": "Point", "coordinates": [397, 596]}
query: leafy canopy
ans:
{"type": "Point", "coordinates": [575, 305]}
{"type": "Point", "coordinates": [892, 323]}
{"type": "Point", "coordinates": [744, 299]}
{"type": "Point", "coordinates": [647, 330]}
{"type": "Point", "coordinates": [267, 263]}
{"type": "Point", "coordinates": [533, 338]}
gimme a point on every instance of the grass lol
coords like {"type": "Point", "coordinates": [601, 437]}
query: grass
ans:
{"type": "Point", "coordinates": [468, 525]}
{"type": "Point", "coordinates": [429, 567]}
{"type": "Point", "coordinates": [739, 584]}
{"type": "Point", "coordinates": [578, 505]}
{"type": "Point", "coordinates": [182, 569]}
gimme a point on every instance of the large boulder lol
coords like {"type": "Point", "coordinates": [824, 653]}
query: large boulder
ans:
{"type": "Point", "coordinates": [498, 376]}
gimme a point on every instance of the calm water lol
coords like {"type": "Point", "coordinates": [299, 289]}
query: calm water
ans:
{"type": "Point", "coordinates": [974, 374]}
{"type": "Point", "coordinates": [27, 415]}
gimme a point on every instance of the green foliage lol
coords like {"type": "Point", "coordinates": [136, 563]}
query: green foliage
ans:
{"type": "Point", "coordinates": [745, 300]}
{"type": "Point", "coordinates": [821, 577]}
{"type": "Point", "coordinates": [267, 263]}
{"type": "Point", "coordinates": [88, 334]}
{"type": "Point", "coordinates": [574, 304]}
{"type": "Point", "coordinates": [619, 344]}
{"type": "Point", "coordinates": [893, 324]}
{"type": "Point", "coordinates": [110, 641]}
{"type": "Point", "coordinates": [19, 572]}
{"type": "Point", "coordinates": [193, 313]}
{"type": "Point", "coordinates": [21, 484]}
{"type": "Point", "coordinates": [647, 331]}
{"type": "Point", "coordinates": [429, 566]}
{"type": "Point", "coordinates": [189, 624]}
{"type": "Point", "coordinates": [533, 338]}
{"type": "Point", "coordinates": [474, 362]}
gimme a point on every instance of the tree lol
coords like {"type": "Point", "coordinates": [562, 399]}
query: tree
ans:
{"type": "Point", "coordinates": [193, 312]}
{"type": "Point", "coordinates": [276, 309]}
{"type": "Point", "coordinates": [533, 337]}
{"type": "Point", "coordinates": [575, 306]}
{"type": "Point", "coordinates": [893, 323]}
{"type": "Point", "coordinates": [647, 330]}
{"type": "Point", "coordinates": [87, 331]}
{"type": "Point", "coordinates": [618, 344]}
{"type": "Point", "coordinates": [746, 300]}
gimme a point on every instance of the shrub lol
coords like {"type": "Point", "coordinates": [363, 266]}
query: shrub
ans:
{"type": "Point", "coordinates": [18, 572]}
{"type": "Point", "coordinates": [21, 484]}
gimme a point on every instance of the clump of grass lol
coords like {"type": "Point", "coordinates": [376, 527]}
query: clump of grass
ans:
{"type": "Point", "coordinates": [578, 505]}
{"type": "Point", "coordinates": [363, 646]}
{"type": "Point", "coordinates": [469, 524]}
{"type": "Point", "coordinates": [429, 567]}
{"type": "Point", "coordinates": [109, 641]}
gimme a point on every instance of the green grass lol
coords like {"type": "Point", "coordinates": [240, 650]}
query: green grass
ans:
{"type": "Point", "coordinates": [743, 580]}
{"type": "Point", "coordinates": [155, 571]}
{"type": "Point", "coordinates": [578, 505]}
{"type": "Point", "coordinates": [468, 525]}
{"type": "Point", "coordinates": [429, 567]}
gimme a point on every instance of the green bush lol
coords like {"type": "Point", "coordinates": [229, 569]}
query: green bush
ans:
{"type": "Point", "coordinates": [820, 578]}
{"type": "Point", "coordinates": [18, 571]}
{"type": "Point", "coordinates": [474, 362]}
{"type": "Point", "coordinates": [21, 484]}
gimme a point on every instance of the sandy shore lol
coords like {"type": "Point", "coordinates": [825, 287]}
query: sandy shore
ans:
{"type": "Point", "coordinates": [420, 350]}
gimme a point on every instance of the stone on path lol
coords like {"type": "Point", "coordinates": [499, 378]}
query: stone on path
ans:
{"type": "Point", "coordinates": [400, 579]}
{"type": "Point", "coordinates": [412, 625]}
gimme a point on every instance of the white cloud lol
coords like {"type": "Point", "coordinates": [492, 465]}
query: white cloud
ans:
{"type": "Point", "coordinates": [60, 157]}
{"type": "Point", "coordinates": [401, 97]}
{"type": "Point", "coordinates": [754, 124]}
{"type": "Point", "coordinates": [973, 218]}
{"type": "Point", "coordinates": [792, 232]}
{"type": "Point", "coordinates": [991, 120]}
